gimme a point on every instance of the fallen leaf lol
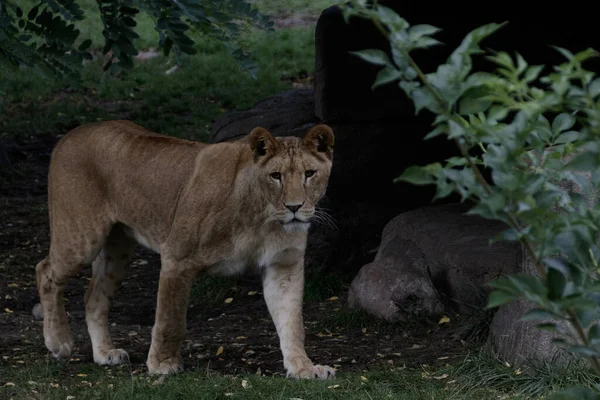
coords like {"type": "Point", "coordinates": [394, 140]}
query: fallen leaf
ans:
{"type": "Point", "coordinates": [228, 394]}
{"type": "Point", "coordinates": [9, 384]}
{"type": "Point", "coordinates": [246, 384]}
{"type": "Point", "coordinates": [444, 320]}
{"type": "Point", "coordinates": [443, 376]}
{"type": "Point", "coordinates": [333, 387]}
{"type": "Point", "coordinates": [70, 397]}
{"type": "Point", "coordinates": [82, 375]}
{"type": "Point", "coordinates": [8, 310]}
{"type": "Point", "coordinates": [228, 300]}
{"type": "Point", "coordinates": [132, 333]}
{"type": "Point", "coordinates": [54, 385]}
{"type": "Point", "coordinates": [443, 358]}
{"type": "Point", "coordinates": [363, 378]}
{"type": "Point", "coordinates": [333, 298]}
{"type": "Point", "coordinates": [220, 351]}
{"type": "Point", "coordinates": [252, 293]}
{"type": "Point", "coordinates": [241, 337]}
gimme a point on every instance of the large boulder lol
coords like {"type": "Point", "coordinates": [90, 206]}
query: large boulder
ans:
{"type": "Point", "coordinates": [281, 114]}
{"type": "Point", "coordinates": [432, 256]}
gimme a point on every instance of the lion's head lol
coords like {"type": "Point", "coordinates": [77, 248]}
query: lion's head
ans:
{"type": "Point", "coordinates": [293, 173]}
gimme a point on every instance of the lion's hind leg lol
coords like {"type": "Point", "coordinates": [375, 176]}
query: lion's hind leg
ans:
{"type": "Point", "coordinates": [52, 275]}
{"type": "Point", "coordinates": [109, 271]}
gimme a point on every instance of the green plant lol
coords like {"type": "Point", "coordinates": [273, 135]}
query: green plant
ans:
{"type": "Point", "coordinates": [45, 36]}
{"type": "Point", "coordinates": [532, 133]}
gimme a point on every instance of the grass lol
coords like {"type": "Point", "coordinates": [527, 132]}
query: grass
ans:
{"type": "Point", "coordinates": [477, 377]}
{"type": "Point", "coordinates": [55, 381]}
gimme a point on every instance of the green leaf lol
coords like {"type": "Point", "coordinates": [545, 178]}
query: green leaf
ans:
{"type": "Point", "coordinates": [562, 122]}
{"type": "Point", "coordinates": [567, 137]}
{"type": "Point", "coordinates": [497, 113]}
{"type": "Point", "coordinates": [586, 161]}
{"type": "Point", "coordinates": [426, 42]}
{"type": "Point", "coordinates": [416, 31]}
{"type": "Point", "coordinates": [533, 72]}
{"type": "Point", "coordinates": [423, 98]}
{"type": "Point", "coordinates": [415, 175]}
{"type": "Point", "coordinates": [528, 283]}
{"type": "Point", "coordinates": [566, 53]}
{"type": "Point", "coordinates": [594, 88]}
{"type": "Point", "coordinates": [386, 75]}
{"type": "Point", "coordinates": [374, 56]}
{"type": "Point", "coordinates": [594, 334]}
{"type": "Point", "coordinates": [85, 45]}
{"type": "Point", "coordinates": [585, 351]}
{"type": "Point", "coordinates": [556, 282]}
{"type": "Point", "coordinates": [456, 130]}
{"type": "Point", "coordinates": [498, 298]}
{"type": "Point", "coordinates": [438, 130]}
{"type": "Point", "coordinates": [538, 313]}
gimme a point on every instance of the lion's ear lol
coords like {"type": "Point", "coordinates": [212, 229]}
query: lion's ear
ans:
{"type": "Point", "coordinates": [320, 139]}
{"type": "Point", "coordinates": [262, 143]}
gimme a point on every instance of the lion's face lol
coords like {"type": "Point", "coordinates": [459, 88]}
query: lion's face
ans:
{"type": "Point", "coordinates": [293, 173]}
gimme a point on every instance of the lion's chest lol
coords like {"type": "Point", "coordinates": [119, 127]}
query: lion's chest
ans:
{"type": "Point", "coordinates": [252, 254]}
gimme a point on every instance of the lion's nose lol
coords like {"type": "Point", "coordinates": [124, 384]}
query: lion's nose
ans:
{"type": "Point", "coordinates": [293, 207]}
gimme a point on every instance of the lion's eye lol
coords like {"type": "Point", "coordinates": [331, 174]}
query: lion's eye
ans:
{"type": "Point", "coordinates": [276, 175]}
{"type": "Point", "coordinates": [310, 172]}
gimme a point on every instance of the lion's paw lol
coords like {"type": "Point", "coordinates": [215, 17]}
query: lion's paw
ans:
{"type": "Point", "coordinates": [60, 348]}
{"type": "Point", "coordinates": [111, 357]}
{"type": "Point", "coordinates": [313, 372]}
{"type": "Point", "coordinates": [169, 366]}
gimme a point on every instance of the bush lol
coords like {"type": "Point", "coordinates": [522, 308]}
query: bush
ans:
{"type": "Point", "coordinates": [530, 131]}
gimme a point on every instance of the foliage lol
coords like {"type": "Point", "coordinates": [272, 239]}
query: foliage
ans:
{"type": "Point", "coordinates": [535, 133]}
{"type": "Point", "coordinates": [45, 34]}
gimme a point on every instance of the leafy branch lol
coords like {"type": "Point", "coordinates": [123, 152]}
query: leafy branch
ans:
{"type": "Point", "coordinates": [45, 35]}
{"type": "Point", "coordinates": [537, 135]}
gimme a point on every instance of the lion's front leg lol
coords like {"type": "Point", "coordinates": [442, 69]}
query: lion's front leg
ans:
{"type": "Point", "coordinates": [283, 288]}
{"type": "Point", "coordinates": [170, 325]}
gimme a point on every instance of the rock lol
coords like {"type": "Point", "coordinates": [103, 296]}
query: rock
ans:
{"type": "Point", "coordinates": [396, 289]}
{"type": "Point", "coordinates": [286, 113]}
{"type": "Point", "coordinates": [432, 256]}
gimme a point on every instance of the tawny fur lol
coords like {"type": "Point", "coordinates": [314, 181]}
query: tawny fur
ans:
{"type": "Point", "coordinates": [219, 208]}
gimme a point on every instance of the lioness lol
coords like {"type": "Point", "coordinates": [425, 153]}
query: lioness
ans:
{"type": "Point", "coordinates": [204, 207]}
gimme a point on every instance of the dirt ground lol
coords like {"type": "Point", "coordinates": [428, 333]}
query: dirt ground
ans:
{"type": "Point", "coordinates": [242, 327]}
